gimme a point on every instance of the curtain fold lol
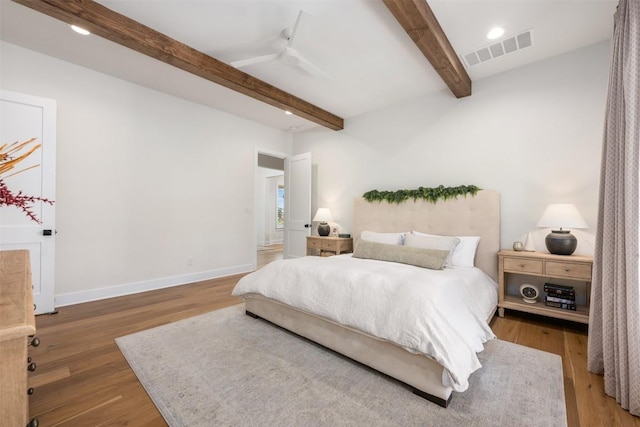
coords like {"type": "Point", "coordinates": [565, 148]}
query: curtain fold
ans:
{"type": "Point", "coordinates": [614, 321]}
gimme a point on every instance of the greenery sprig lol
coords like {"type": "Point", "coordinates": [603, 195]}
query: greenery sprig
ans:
{"type": "Point", "coordinates": [429, 194]}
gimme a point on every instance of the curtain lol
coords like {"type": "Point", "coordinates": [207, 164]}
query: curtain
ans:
{"type": "Point", "coordinates": [614, 321]}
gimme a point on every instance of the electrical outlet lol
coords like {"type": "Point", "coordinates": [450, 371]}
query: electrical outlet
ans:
{"type": "Point", "coordinates": [189, 261]}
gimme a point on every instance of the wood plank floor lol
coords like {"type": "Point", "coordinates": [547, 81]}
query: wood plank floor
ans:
{"type": "Point", "coordinates": [82, 379]}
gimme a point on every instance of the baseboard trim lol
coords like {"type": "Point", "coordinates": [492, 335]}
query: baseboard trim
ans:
{"type": "Point", "coordinates": [147, 285]}
{"type": "Point", "coordinates": [271, 242]}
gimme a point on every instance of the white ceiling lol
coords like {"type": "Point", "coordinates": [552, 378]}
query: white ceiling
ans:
{"type": "Point", "coordinates": [370, 61]}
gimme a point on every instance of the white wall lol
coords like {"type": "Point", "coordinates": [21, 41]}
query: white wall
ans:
{"type": "Point", "coordinates": [145, 181]}
{"type": "Point", "coordinates": [534, 134]}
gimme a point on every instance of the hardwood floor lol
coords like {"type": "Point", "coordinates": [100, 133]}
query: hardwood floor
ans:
{"type": "Point", "coordinates": [265, 256]}
{"type": "Point", "coordinates": [82, 379]}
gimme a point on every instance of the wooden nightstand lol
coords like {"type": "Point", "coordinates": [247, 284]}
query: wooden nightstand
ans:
{"type": "Point", "coordinates": [571, 269]}
{"type": "Point", "coordinates": [327, 246]}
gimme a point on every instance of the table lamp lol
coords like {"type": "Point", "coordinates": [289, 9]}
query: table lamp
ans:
{"type": "Point", "coordinates": [561, 215]}
{"type": "Point", "coordinates": [323, 215]}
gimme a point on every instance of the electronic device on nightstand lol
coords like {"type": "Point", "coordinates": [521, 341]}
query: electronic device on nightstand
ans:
{"type": "Point", "coordinates": [530, 293]}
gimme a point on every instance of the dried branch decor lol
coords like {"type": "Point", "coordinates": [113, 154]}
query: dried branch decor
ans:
{"type": "Point", "coordinates": [10, 156]}
{"type": "Point", "coordinates": [429, 194]}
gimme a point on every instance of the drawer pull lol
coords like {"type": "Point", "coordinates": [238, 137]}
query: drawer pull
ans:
{"type": "Point", "coordinates": [31, 367]}
{"type": "Point", "coordinates": [30, 391]}
{"type": "Point", "coordinates": [33, 423]}
{"type": "Point", "coordinates": [34, 342]}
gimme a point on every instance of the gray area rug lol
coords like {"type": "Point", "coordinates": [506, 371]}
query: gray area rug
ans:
{"type": "Point", "coordinates": [224, 368]}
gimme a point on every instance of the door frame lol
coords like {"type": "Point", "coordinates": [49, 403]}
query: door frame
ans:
{"type": "Point", "coordinates": [256, 184]}
{"type": "Point", "coordinates": [42, 265]}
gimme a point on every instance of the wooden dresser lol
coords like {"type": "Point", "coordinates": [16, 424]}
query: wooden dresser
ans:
{"type": "Point", "coordinates": [17, 324]}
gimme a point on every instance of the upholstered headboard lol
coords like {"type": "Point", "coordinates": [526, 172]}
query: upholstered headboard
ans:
{"type": "Point", "coordinates": [477, 215]}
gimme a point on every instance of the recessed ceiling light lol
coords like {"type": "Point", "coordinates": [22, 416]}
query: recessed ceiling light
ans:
{"type": "Point", "coordinates": [287, 112]}
{"type": "Point", "coordinates": [80, 30]}
{"type": "Point", "coordinates": [495, 33]}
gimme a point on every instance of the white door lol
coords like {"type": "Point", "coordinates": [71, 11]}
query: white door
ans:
{"type": "Point", "coordinates": [297, 200]}
{"type": "Point", "coordinates": [23, 117]}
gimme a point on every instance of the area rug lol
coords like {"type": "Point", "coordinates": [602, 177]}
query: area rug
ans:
{"type": "Point", "coordinates": [225, 368]}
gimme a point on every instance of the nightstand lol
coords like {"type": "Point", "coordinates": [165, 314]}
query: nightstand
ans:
{"type": "Point", "coordinates": [327, 246]}
{"type": "Point", "coordinates": [571, 269]}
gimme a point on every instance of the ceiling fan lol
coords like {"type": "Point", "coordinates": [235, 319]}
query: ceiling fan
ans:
{"type": "Point", "coordinates": [289, 55]}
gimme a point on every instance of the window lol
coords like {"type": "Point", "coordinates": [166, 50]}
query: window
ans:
{"type": "Point", "coordinates": [280, 206]}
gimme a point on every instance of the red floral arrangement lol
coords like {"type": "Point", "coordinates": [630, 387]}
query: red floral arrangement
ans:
{"type": "Point", "coordinates": [9, 157]}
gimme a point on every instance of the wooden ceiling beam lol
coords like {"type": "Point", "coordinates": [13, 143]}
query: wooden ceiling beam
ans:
{"type": "Point", "coordinates": [420, 23]}
{"type": "Point", "coordinates": [118, 28]}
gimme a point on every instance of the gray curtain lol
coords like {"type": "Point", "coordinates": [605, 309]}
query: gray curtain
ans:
{"type": "Point", "coordinates": [614, 321]}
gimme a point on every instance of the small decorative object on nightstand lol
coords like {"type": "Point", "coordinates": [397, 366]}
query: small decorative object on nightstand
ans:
{"type": "Point", "coordinates": [528, 244]}
{"type": "Point", "coordinates": [561, 242]}
{"type": "Point", "coordinates": [530, 293]}
{"type": "Point", "coordinates": [323, 215]}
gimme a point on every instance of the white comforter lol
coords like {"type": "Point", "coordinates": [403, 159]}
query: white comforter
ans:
{"type": "Point", "coordinates": [440, 313]}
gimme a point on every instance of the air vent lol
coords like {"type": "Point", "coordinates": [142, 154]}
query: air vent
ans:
{"type": "Point", "coordinates": [500, 48]}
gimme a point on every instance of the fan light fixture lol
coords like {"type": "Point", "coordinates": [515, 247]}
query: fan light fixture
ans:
{"type": "Point", "coordinates": [561, 242]}
{"type": "Point", "coordinates": [322, 216]}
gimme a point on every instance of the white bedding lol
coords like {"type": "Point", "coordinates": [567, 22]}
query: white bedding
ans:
{"type": "Point", "coordinates": [439, 313]}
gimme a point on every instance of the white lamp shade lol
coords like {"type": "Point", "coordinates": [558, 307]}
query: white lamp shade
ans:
{"type": "Point", "coordinates": [562, 215]}
{"type": "Point", "coordinates": [323, 215]}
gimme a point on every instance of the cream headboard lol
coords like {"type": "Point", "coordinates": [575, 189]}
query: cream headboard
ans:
{"type": "Point", "coordinates": [477, 215]}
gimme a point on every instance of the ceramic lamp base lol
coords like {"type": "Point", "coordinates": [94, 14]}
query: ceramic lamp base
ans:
{"type": "Point", "coordinates": [561, 242]}
{"type": "Point", "coordinates": [323, 229]}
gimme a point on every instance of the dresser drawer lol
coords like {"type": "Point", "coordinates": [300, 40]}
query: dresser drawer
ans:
{"type": "Point", "coordinates": [568, 269]}
{"type": "Point", "coordinates": [532, 266]}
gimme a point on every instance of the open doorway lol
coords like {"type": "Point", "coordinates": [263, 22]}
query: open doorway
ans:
{"type": "Point", "coordinates": [269, 207]}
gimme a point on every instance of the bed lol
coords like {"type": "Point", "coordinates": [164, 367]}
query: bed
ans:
{"type": "Point", "coordinates": [432, 376]}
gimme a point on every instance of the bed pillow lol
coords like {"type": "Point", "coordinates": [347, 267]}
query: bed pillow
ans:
{"type": "Point", "coordinates": [388, 238]}
{"type": "Point", "coordinates": [433, 259]}
{"type": "Point", "coordinates": [445, 243]}
{"type": "Point", "coordinates": [465, 253]}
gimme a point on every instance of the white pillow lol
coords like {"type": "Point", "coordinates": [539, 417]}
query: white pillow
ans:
{"type": "Point", "coordinates": [446, 243]}
{"type": "Point", "coordinates": [465, 253]}
{"type": "Point", "coordinates": [388, 238]}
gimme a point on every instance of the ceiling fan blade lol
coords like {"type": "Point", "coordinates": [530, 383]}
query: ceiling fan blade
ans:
{"type": "Point", "coordinates": [292, 57]}
{"type": "Point", "coordinates": [309, 67]}
{"type": "Point", "coordinates": [302, 17]}
{"type": "Point", "coordinates": [255, 60]}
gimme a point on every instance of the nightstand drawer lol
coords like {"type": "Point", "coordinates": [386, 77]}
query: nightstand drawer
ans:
{"type": "Point", "coordinates": [314, 244]}
{"type": "Point", "coordinates": [533, 266]}
{"type": "Point", "coordinates": [329, 246]}
{"type": "Point", "coordinates": [568, 269]}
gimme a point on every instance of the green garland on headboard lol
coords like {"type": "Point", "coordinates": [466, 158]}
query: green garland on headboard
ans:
{"type": "Point", "coordinates": [429, 194]}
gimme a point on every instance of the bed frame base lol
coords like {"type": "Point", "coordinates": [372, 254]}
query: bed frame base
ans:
{"type": "Point", "coordinates": [255, 316]}
{"type": "Point", "coordinates": [431, 398]}
{"type": "Point", "coordinates": [422, 375]}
